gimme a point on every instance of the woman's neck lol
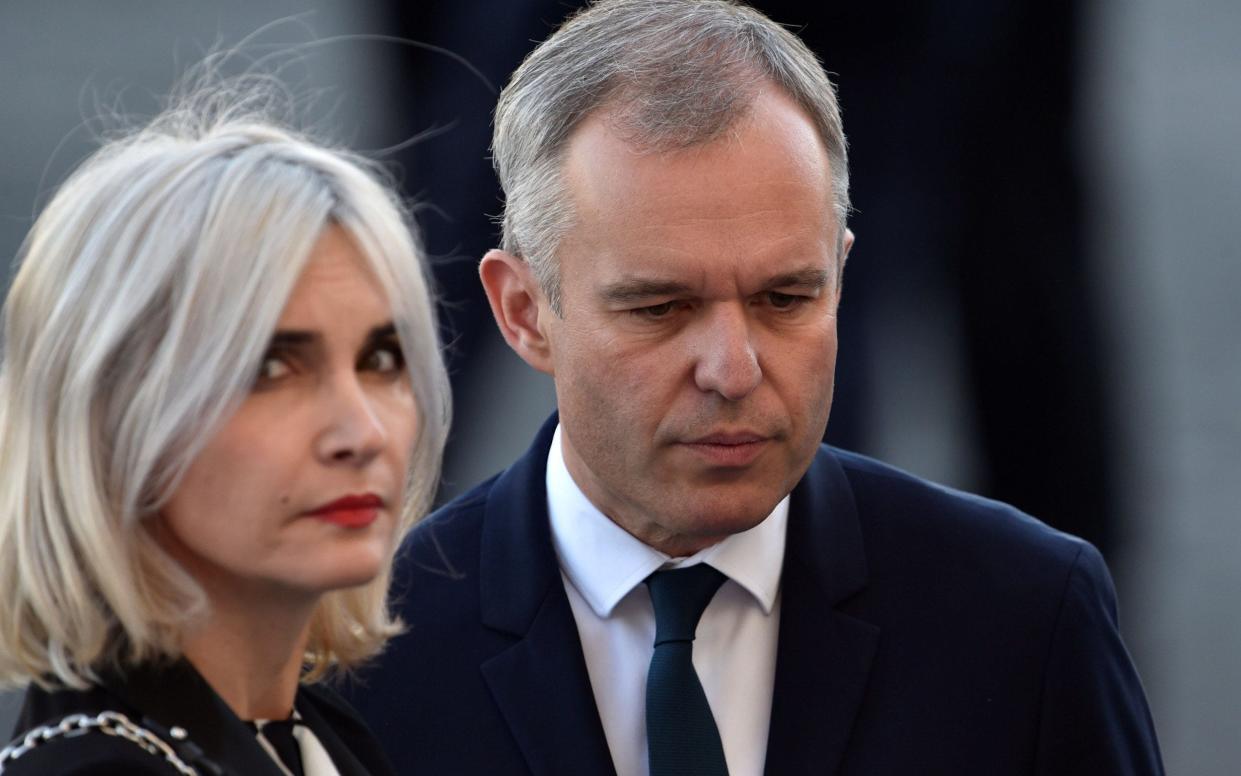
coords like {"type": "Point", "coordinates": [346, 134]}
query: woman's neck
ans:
{"type": "Point", "coordinates": [250, 653]}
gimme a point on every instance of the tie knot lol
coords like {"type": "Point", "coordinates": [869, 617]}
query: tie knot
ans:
{"type": "Point", "coordinates": [680, 596]}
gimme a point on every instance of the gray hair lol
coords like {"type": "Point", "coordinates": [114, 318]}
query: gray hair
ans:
{"type": "Point", "coordinates": [675, 73]}
{"type": "Point", "coordinates": [148, 291]}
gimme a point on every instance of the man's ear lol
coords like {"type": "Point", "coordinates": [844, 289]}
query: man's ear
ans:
{"type": "Point", "coordinates": [846, 245]}
{"type": "Point", "coordinates": [514, 295]}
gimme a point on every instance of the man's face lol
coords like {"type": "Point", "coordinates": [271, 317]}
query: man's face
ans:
{"type": "Point", "coordinates": [694, 359]}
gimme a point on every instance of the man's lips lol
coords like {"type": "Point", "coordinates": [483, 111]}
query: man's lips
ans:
{"type": "Point", "coordinates": [729, 448]}
{"type": "Point", "coordinates": [352, 511]}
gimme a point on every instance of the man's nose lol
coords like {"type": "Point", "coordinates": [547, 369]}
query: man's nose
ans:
{"type": "Point", "coordinates": [726, 360]}
{"type": "Point", "coordinates": [352, 432]}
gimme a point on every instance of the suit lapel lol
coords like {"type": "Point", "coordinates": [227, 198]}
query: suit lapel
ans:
{"type": "Point", "coordinates": [342, 756]}
{"type": "Point", "coordinates": [824, 655]}
{"type": "Point", "coordinates": [544, 693]}
{"type": "Point", "coordinates": [540, 683]}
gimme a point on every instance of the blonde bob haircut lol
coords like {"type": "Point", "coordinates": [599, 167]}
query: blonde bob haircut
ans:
{"type": "Point", "coordinates": [147, 294]}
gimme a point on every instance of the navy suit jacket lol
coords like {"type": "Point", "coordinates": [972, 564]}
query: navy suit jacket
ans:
{"type": "Point", "coordinates": [922, 631]}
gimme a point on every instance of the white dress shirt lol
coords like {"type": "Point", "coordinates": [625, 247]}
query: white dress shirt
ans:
{"type": "Point", "coordinates": [604, 567]}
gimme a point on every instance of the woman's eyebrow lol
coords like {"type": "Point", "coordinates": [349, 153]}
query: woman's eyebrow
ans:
{"type": "Point", "coordinates": [384, 331]}
{"type": "Point", "coordinates": [293, 338]}
{"type": "Point", "coordinates": [303, 338]}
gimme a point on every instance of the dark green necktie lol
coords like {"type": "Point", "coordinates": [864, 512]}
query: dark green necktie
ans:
{"type": "Point", "coordinates": [680, 731]}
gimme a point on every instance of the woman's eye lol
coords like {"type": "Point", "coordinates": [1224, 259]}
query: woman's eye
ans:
{"type": "Point", "coordinates": [273, 368]}
{"type": "Point", "coordinates": [384, 359]}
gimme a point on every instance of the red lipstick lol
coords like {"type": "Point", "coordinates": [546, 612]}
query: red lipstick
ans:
{"type": "Point", "coordinates": [350, 511]}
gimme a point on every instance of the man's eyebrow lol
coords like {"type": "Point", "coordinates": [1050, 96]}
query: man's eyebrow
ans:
{"type": "Point", "coordinates": [639, 289]}
{"type": "Point", "coordinates": [805, 278]}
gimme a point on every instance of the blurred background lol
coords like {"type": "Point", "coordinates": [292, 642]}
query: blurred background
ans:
{"type": "Point", "coordinates": [1041, 305]}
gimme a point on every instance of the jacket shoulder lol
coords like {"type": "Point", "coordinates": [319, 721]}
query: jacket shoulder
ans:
{"type": "Point", "coordinates": [893, 502]}
{"type": "Point", "coordinates": [82, 752]}
{"type": "Point", "coordinates": [447, 537]}
{"type": "Point", "coordinates": [956, 551]}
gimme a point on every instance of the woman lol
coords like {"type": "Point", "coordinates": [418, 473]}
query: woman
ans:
{"type": "Point", "coordinates": [223, 405]}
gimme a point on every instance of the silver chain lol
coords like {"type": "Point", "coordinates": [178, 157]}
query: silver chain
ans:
{"type": "Point", "coordinates": [110, 722]}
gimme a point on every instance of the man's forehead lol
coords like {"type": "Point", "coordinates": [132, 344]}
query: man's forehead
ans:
{"type": "Point", "coordinates": [692, 240]}
{"type": "Point", "coordinates": [725, 185]}
{"type": "Point", "coordinates": [729, 215]}
{"type": "Point", "coordinates": [773, 123]}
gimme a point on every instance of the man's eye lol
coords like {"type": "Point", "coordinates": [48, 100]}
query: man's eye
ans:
{"type": "Point", "coordinates": [384, 359]}
{"type": "Point", "coordinates": [660, 310]}
{"type": "Point", "coordinates": [783, 301]}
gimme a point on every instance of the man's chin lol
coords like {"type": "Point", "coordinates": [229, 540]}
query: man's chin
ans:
{"type": "Point", "coordinates": [706, 526]}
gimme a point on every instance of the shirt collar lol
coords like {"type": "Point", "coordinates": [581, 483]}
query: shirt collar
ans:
{"type": "Point", "coordinates": [604, 562]}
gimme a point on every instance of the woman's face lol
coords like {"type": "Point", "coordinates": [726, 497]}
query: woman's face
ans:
{"type": "Point", "coordinates": [299, 491]}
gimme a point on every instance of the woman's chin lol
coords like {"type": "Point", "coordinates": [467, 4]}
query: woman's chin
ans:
{"type": "Point", "coordinates": [351, 573]}
{"type": "Point", "coordinates": [326, 572]}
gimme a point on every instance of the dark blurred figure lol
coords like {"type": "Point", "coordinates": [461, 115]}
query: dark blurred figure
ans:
{"type": "Point", "coordinates": [961, 127]}
{"type": "Point", "coordinates": [453, 168]}
{"type": "Point", "coordinates": [960, 119]}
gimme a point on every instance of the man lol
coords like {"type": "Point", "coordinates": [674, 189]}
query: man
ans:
{"type": "Point", "coordinates": [677, 577]}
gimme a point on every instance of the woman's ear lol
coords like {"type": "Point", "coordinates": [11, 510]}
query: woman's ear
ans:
{"type": "Point", "coordinates": [519, 307]}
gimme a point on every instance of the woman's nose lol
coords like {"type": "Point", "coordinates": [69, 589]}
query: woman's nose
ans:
{"type": "Point", "coordinates": [352, 432]}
